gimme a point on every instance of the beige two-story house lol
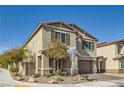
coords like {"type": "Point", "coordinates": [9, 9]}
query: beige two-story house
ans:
{"type": "Point", "coordinates": [72, 36]}
{"type": "Point", "coordinates": [111, 56]}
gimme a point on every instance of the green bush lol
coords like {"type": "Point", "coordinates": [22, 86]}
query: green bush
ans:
{"type": "Point", "coordinates": [16, 74]}
{"type": "Point", "coordinates": [86, 76]}
{"type": "Point", "coordinates": [37, 75]}
{"type": "Point", "coordinates": [59, 72]}
{"type": "Point", "coordinates": [59, 79]}
{"type": "Point", "coordinates": [12, 69]}
{"type": "Point", "coordinates": [64, 73]}
{"type": "Point", "coordinates": [48, 75]}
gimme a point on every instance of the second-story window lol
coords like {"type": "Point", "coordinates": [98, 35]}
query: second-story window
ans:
{"type": "Point", "coordinates": [39, 62]}
{"type": "Point", "coordinates": [61, 37]}
{"type": "Point", "coordinates": [122, 64]}
{"type": "Point", "coordinates": [88, 45]}
{"type": "Point", "coordinates": [57, 35]}
{"type": "Point", "coordinates": [119, 49]}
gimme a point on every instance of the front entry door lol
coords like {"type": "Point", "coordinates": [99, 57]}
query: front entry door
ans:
{"type": "Point", "coordinates": [102, 66]}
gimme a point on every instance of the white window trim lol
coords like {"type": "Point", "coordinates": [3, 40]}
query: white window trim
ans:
{"type": "Point", "coordinates": [60, 36]}
{"type": "Point", "coordinates": [90, 49]}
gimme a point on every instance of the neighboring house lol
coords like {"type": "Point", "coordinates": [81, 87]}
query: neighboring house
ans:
{"type": "Point", "coordinates": [111, 56]}
{"type": "Point", "coordinates": [72, 36]}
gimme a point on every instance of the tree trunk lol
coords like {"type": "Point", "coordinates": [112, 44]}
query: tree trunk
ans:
{"type": "Point", "coordinates": [57, 67]}
{"type": "Point", "coordinates": [16, 66]}
{"type": "Point", "coordinates": [54, 66]}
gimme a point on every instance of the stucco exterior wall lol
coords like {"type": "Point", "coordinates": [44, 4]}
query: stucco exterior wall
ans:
{"type": "Point", "coordinates": [72, 40]}
{"type": "Point", "coordinates": [109, 52]}
{"type": "Point", "coordinates": [46, 40]}
{"type": "Point", "coordinates": [35, 44]}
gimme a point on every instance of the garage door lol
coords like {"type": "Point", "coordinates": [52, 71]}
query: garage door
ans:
{"type": "Point", "coordinates": [84, 67]}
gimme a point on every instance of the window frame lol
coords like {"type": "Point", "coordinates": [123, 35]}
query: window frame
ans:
{"type": "Point", "coordinates": [119, 49]}
{"type": "Point", "coordinates": [89, 47]}
{"type": "Point", "coordinates": [39, 62]}
{"type": "Point", "coordinates": [62, 38]}
{"type": "Point", "coordinates": [59, 36]}
{"type": "Point", "coordinates": [122, 64]}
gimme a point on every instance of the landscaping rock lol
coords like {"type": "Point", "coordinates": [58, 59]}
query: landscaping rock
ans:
{"type": "Point", "coordinates": [90, 79]}
{"type": "Point", "coordinates": [78, 77]}
{"type": "Point", "coordinates": [32, 79]}
{"type": "Point", "coordinates": [52, 81]}
{"type": "Point", "coordinates": [36, 75]}
{"type": "Point", "coordinates": [59, 79]}
{"type": "Point", "coordinates": [19, 78]}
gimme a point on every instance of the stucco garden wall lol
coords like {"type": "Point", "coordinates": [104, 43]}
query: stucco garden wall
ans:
{"type": "Point", "coordinates": [109, 53]}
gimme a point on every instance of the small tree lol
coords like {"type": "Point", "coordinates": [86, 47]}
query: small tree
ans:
{"type": "Point", "coordinates": [12, 56]}
{"type": "Point", "coordinates": [17, 55]}
{"type": "Point", "coordinates": [58, 52]}
{"type": "Point", "coordinates": [5, 60]}
{"type": "Point", "coordinates": [29, 56]}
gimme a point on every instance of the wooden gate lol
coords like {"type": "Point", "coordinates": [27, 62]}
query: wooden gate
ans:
{"type": "Point", "coordinates": [31, 68]}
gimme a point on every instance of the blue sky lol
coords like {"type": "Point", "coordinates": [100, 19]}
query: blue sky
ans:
{"type": "Point", "coordinates": [18, 22]}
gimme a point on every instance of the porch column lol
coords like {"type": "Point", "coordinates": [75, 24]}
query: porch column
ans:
{"type": "Point", "coordinates": [9, 66]}
{"type": "Point", "coordinates": [99, 66]}
{"type": "Point", "coordinates": [74, 66]}
{"type": "Point", "coordinates": [24, 71]}
{"type": "Point", "coordinates": [36, 66]}
{"type": "Point", "coordinates": [45, 65]}
{"type": "Point", "coordinates": [54, 67]}
{"type": "Point", "coordinates": [42, 67]}
{"type": "Point", "coordinates": [94, 69]}
{"type": "Point", "coordinates": [20, 67]}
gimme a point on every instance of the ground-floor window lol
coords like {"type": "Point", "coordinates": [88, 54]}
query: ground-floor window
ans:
{"type": "Point", "coordinates": [39, 61]}
{"type": "Point", "coordinates": [51, 63]}
{"type": "Point", "coordinates": [122, 64]}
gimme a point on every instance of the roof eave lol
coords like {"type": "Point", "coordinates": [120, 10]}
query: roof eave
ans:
{"type": "Point", "coordinates": [110, 43]}
{"type": "Point", "coordinates": [74, 25]}
{"type": "Point", "coordinates": [45, 25]}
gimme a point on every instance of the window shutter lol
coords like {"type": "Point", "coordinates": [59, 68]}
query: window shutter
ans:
{"type": "Point", "coordinates": [39, 62]}
{"type": "Point", "coordinates": [53, 35]}
{"type": "Point", "coordinates": [67, 39]}
{"type": "Point", "coordinates": [93, 46]}
{"type": "Point", "coordinates": [83, 44]}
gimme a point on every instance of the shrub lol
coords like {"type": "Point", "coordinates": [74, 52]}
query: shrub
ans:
{"type": "Point", "coordinates": [12, 69]}
{"type": "Point", "coordinates": [59, 72]}
{"type": "Point", "coordinates": [86, 76]}
{"type": "Point", "coordinates": [64, 73]}
{"type": "Point", "coordinates": [16, 74]}
{"type": "Point", "coordinates": [37, 75]}
{"type": "Point", "coordinates": [89, 79]}
{"type": "Point", "coordinates": [59, 79]}
{"type": "Point", "coordinates": [48, 75]}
